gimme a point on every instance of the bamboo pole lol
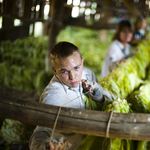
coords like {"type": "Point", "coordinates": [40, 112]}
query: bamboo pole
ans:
{"type": "Point", "coordinates": [133, 126]}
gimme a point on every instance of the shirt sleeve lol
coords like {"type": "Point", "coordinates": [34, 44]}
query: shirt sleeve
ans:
{"type": "Point", "coordinates": [114, 56]}
{"type": "Point", "coordinates": [52, 95]}
{"type": "Point", "coordinates": [90, 75]}
{"type": "Point", "coordinates": [114, 53]}
{"type": "Point", "coordinates": [41, 136]}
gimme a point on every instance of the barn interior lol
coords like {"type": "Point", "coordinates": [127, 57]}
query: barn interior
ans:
{"type": "Point", "coordinates": [42, 23]}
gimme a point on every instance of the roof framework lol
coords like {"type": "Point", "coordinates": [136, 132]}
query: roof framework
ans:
{"type": "Point", "coordinates": [94, 14]}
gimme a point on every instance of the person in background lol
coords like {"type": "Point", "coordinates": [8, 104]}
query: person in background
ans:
{"type": "Point", "coordinates": [139, 33]}
{"type": "Point", "coordinates": [119, 49]}
{"type": "Point", "coordinates": [71, 82]}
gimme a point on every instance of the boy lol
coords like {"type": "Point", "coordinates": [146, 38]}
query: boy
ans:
{"type": "Point", "coordinates": [71, 81]}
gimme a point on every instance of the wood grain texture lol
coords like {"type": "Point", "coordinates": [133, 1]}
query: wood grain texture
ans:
{"type": "Point", "coordinates": [133, 126]}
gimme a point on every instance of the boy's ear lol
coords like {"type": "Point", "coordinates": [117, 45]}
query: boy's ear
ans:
{"type": "Point", "coordinates": [82, 60]}
{"type": "Point", "coordinates": [54, 69]}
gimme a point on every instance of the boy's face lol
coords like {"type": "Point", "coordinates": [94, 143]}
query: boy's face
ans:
{"type": "Point", "coordinates": [69, 70]}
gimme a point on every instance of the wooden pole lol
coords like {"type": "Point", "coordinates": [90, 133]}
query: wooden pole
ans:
{"type": "Point", "coordinates": [56, 23]}
{"type": "Point", "coordinates": [134, 126]}
{"type": "Point", "coordinates": [9, 9]}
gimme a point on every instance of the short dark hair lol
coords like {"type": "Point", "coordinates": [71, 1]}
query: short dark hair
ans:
{"type": "Point", "coordinates": [120, 26]}
{"type": "Point", "coordinates": [63, 49]}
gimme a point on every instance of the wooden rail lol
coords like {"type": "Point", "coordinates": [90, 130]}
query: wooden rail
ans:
{"type": "Point", "coordinates": [133, 126]}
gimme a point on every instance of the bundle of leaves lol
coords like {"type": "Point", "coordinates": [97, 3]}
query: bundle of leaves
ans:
{"type": "Point", "coordinates": [119, 106]}
{"type": "Point", "coordinates": [13, 131]}
{"type": "Point", "coordinates": [96, 143]}
{"type": "Point", "coordinates": [140, 99]}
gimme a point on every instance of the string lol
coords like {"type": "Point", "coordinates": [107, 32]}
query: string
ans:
{"type": "Point", "coordinates": [108, 125]}
{"type": "Point", "coordinates": [107, 131]}
{"type": "Point", "coordinates": [59, 113]}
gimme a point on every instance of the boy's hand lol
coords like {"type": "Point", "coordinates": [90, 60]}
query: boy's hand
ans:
{"type": "Point", "coordinates": [122, 61]}
{"type": "Point", "coordinates": [86, 87]}
{"type": "Point", "coordinates": [95, 90]}
{"type": "Point", "coordinates": [55, 146]}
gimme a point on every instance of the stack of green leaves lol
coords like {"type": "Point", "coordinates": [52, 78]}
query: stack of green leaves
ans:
{"type": "Point", "coordinates": [22, 64]}
{"type": "Point", "coordinates": [97, 143]}
{"type": "Point", "coordinates": [140, 100]}
{"type": "Point", "coordinates": [119, 106]}
{"type": "Point", "coordinates": [13, 131]}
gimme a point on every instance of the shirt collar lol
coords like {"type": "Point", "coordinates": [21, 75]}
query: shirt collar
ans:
{"type": "Point", "coordinates": [120, 44]}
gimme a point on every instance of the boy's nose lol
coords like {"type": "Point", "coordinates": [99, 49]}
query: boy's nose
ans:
{"type": "Point", "coordinates": [71, 75]}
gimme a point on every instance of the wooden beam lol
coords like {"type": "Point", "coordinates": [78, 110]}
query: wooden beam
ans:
{"type": "Point", "coordinates": [134, 126]}
{"type": "Point", "coordinates": [29, 20]}
{"type": "Point", "coordinates": [131, 7]}
{"type": "Point", "coordinates": [95, 26]}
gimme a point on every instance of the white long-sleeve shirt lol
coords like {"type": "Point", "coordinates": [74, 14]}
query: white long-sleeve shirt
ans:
{"type": "Point", "coordinates": [114, 53]}
{"type": "Point", "coordinates": [58, 94]}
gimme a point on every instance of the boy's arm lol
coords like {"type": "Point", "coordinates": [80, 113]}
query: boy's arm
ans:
{"type": "Point", "coordinates": [41, 139]}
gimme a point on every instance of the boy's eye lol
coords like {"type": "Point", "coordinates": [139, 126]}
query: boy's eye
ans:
{"type": "Point", "coordinates": [76, 68]}
{"type": "Point", "coordinates": [64, 71]}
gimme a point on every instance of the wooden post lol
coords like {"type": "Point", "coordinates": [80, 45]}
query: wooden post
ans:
{"type": "Point", "coordinates": [103, 35]}
{"type": "Point", "coordinates": [34, 16]}
{"type": "Point", "coordinates": [27, 13]}
{"type": "Point", "coordinates": [27, 9]}
{"type": "Point", "coordinates": [9, 9]}
{"type": "Point", "coordinates": [134, 126]}
{"type": "Point", "coordinates": [41, 11]}
{"type": "Point", "coordinates": [56, 20]}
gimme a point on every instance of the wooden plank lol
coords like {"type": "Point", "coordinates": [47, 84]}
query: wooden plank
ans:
{"type": "Point", "coordinates": [126, 126]}
{"type": "Point", "coordinates": [95, 26]}
{"type": "Point", "coordinates": [29, 20]}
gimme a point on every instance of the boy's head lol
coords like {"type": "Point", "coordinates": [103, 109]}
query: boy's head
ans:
{"type": "Point", "coordinates": [67, 63]}
{"type": "Point", "coordinates": [62, 50]}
